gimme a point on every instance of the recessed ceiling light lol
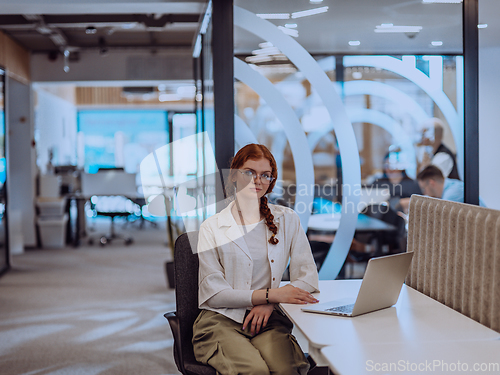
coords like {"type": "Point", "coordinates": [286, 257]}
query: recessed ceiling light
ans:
{"type": "Point", "coordinates": [291, 32]}
{"type": "Point", "coordinates": [168, 97]}
{"type": "Point", "coordinates": [291, 25]}
{"type": "Point", "coordinates": [265, 44]}
{"type": "Point", "coordinates": [309, 12]}
{"type": "Point", "coordinates": [259, 58]}
{"type": "Point", "coordinates": [442, 1]}
{"type": "Point", "coordinates": [354, 42]}
{"type": "Point", "coordinates": [315, 1]}
{"type": "Point", "coordinates": [390, 28]}
{"type": "Point", "coordinates": [274, 16]}
{"type": "Point", "coordinates": [482, 26]}
{"type": "Point", "coordinates": [186, 91]}
{"type": "Point", "coordinates": [266, 51]}
{"type": "Point", "coordinates": [129, 25]}
{"type": "Point", "coordinates": [436, 43]}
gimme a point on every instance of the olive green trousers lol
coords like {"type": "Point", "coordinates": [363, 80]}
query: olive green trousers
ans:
{"type": "Point", "coordinates": [221, 343]}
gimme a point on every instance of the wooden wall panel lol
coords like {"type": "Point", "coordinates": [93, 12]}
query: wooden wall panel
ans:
{"type": "Point", "coordinates": [2, 49]}
{"type": "Point", "coordinates": [88, 96]}
{"type": "Point", "coordinates": [15, 59]}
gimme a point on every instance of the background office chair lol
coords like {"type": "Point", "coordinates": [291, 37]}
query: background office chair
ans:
{"type": "Point", "coordinates": [106, 183]}
{"type": "Point", "coordinates": [396, 239]}
{"type": "Point", "coordinates": [186, 295]}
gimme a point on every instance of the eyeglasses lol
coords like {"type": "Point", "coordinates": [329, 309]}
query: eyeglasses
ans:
{"type": "Point", "coordinates": [265, 178]}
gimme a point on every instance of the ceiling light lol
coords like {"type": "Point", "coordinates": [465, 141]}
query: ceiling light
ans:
{"type": "Point", "coordinates": [186, 91]}
{"type": "Point", "coordinates": [315, 1]}
{"type": "Point", "coordinates": [274, 16]}
{"type": "Point", "coordinates": [357, 75]}
{"type": "Point", "coordinates": [482, 26]}
{"type": "Point", "coordinates": [436, 43]}
{"type": "Point", "coordinates": [129, 25]}
{"type": "Point", "coordinates": [441, 1]}
{"type": "Point", "coordinates": [309, 12]}
{"type": "Point", "coordinates": [168, 97]}
{"type": "Point", "coordinates": [90, 30]}
{"type": "Point", "coordinates": [257, 59]}
{"type": "Point", "coordinates": [66, 61]}
{"type": "Point", "coordinates": [291, 32]}
{"type": "Point", "coordinates": [267, 51]}
{"type": "Point", "coordinates": [291, 25]}
{"type": "Point", "coordinates": [265, 44]}
{"type": "Point", "coordinates": [390, 28]}
{"type": "Point", "coordinates": [354, 42]}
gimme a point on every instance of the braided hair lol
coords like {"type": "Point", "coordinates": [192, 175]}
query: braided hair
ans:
{"type": "Point", "coordinates": [255, 151]}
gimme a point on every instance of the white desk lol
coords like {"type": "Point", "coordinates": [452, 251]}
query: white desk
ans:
{"type": "Point", "coordinates": [415, 318]}
{"type": "Point", "coordinates": [463, 357]}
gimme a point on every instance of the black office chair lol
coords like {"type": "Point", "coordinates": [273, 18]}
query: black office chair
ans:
{"type": "Point", "coordinates": [396, 239]}
{"type": "Point", "coordinates": [186, 294]}
{"type": "Point", "coordinates": [112, 235]}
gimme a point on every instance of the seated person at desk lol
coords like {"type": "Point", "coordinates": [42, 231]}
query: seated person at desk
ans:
{"type": "Point", "coordinates": [243, 252]}
{"type": "Point", "coordinates": [437, 154]}
{"type": "Point", "coordinates": [434, 184]}
{"type": "Point", "coordinates": [401, 187]}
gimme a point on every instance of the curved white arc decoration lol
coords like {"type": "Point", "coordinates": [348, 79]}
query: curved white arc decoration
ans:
{"type": "Point", "coordinates": [351, 171]}
{"type": "Point", "coordinates": [377, 118]}
{"type": "Point", "coordinates": [388, 92]}
{"type": "Point", "coordinates": [291, 125]}
{"type": "Point", "coordinates": [242, 133]}
{"type": "Point", "coordinates": [425, 83]}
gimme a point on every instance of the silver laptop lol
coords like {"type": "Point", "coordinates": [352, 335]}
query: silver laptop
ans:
{"type": "Point", "coordinates": [380, 287]}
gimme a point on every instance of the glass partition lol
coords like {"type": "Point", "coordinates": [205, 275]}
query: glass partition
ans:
{"type": "Point", "coordinates": [346, 94]}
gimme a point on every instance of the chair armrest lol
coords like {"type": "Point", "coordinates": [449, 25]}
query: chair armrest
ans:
{"type": "Point", "coordinates": [173, 320]}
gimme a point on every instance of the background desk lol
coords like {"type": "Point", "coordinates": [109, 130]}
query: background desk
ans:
{"type": "Point", "coordinates": [457, 357]}
{"type": "Point", "coordinates": [415, 318]}
{"type": "Point", "coordinates": [330, 223]}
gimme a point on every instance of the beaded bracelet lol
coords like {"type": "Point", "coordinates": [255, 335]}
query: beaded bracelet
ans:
{"type": "Point", "coordinates": [267, 296]}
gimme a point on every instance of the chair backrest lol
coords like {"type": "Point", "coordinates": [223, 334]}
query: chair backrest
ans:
{"type": "Point", "coordinates": [457, 256]}
{"type": "Point", "coordinates": [109, 183]}
{"type": "Point", "coordinates": [384, 212]}
{"type": "Point", "coordinates": [186, 288]}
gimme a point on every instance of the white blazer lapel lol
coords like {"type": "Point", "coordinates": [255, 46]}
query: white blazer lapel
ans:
{"type": "Point", "coordinates": [233, 233]}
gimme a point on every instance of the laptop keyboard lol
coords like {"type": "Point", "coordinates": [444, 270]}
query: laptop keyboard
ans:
{"type": "Point", "coordinates": [342, 309]}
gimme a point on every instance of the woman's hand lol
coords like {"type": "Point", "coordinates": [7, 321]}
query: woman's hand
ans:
{"type": "Point", "coordinates": [291, 294]}
{"type": "Point", "coordinates": [258, 317]}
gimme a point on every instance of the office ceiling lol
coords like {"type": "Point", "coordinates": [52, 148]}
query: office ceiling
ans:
{"type": "Point", "coordinates": [52, 27]}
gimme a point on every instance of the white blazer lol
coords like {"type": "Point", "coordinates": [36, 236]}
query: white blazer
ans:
{"type": "Point", "coordinates": [225, 261]}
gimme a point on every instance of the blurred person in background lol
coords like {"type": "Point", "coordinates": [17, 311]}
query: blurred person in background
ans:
{"type": "Point", "coordinates": [436, 152]}
{"type": "Point", "coordinates": [400, 185]}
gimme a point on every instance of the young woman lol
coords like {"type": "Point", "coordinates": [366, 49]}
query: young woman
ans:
{"type": "Point", "coordinates": [243, 252]}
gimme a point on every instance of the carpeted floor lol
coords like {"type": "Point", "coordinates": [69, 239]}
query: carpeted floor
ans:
{"type": "Point", "coordinates": [90, 310]}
